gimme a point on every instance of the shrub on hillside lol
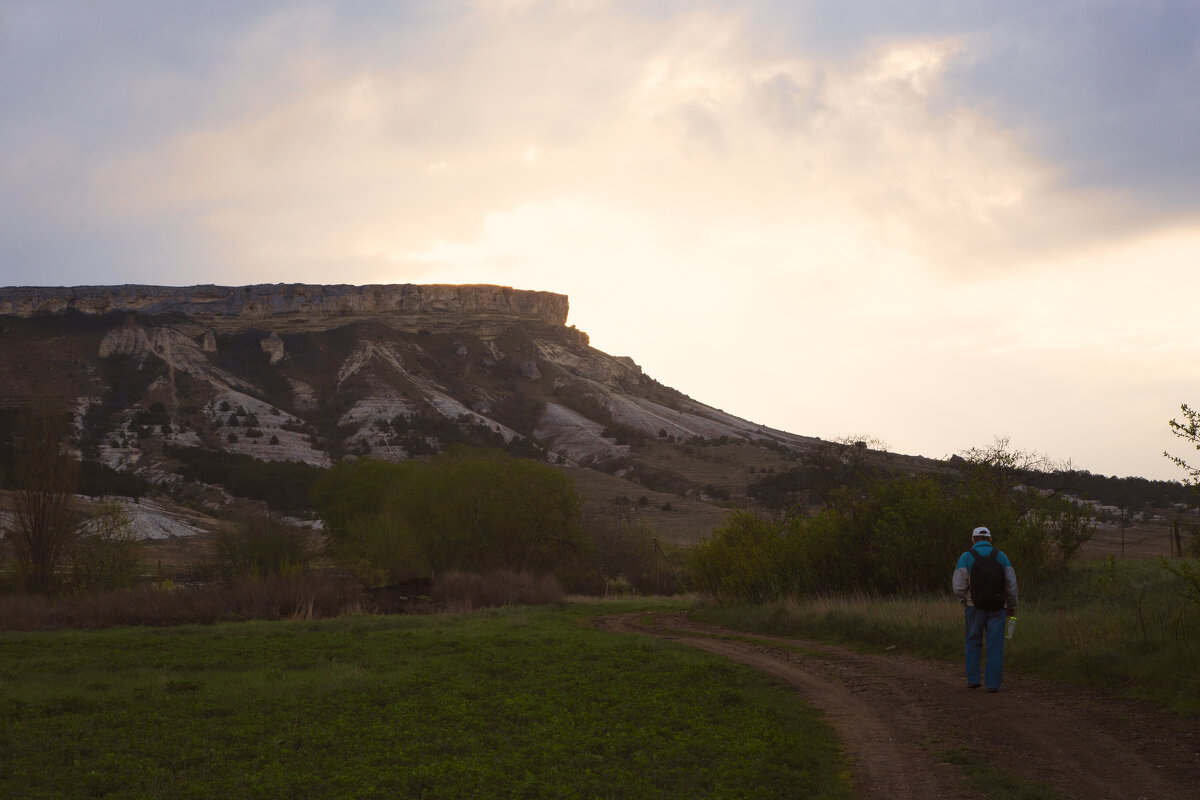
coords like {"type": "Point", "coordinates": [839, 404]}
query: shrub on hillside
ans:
{"type": "Point", "coordinates": [631, 555]}
{"type": "Point", "coordinates": [624, 555]}
{"type": "Point", "coordinates": [284, 485]}
{"type": "Point", "coordinates": [98, 480]}
{"type": "Point", "coordinates": [473, 510]}
{"type": "Point", "coordinates": [743, 559]}
{"type": "Point", "coordinates": [258, 546]}
{"type": "Point", "coordinates": [898, 534]}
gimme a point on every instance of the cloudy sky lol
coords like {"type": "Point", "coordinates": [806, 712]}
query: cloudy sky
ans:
{"type": "Point", "coordinates": [934, 223]}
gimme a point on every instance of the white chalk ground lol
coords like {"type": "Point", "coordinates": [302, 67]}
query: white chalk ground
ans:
{"type": "Point", "coordinates": [154, 521]}
{"type": "Point", "coordinates": [574, 436]}
{"type": "Point", "coordinates": [291, 445]}
{"type": "Point", "coordinates": [151, 520]}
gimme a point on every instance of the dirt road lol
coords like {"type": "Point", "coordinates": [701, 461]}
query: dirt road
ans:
{"type": "Point", "coordinates": [897, 717]}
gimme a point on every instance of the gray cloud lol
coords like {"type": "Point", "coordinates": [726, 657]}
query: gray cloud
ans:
{"type": "Point", "coordinates": [1109, 91]}
{"type": "Point", "coordinates": [1104, 89]}
{"type": "Point", "coordinates": [917, 178]}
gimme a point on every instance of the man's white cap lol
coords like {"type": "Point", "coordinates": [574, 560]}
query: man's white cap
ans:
{"type": "Point", "coordinates": [981, 531]}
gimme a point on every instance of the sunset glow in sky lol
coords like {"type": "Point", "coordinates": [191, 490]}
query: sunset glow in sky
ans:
{"type": "Point", "coordinates": [933, 223]}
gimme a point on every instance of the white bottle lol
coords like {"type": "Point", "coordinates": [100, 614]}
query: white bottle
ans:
{"type": "Point", "coordinates": [1008, 630]}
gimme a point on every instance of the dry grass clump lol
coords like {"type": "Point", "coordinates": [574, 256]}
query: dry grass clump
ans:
{"type": "Point", "coordinates": [311, 596]}
{"type": "Point", "coordinates": [307, 596]}
{"type": "Point", "coordinates": [466, 591]}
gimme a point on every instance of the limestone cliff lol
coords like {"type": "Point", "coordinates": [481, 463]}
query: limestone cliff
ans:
{"type": "Point", "coordinates": [158, 377]}
{"type": "Point", "coordinates": [294, 306]}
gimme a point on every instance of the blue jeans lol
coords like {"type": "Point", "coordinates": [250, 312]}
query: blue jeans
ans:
{"type": "Point", "coordinates": [983, 625]}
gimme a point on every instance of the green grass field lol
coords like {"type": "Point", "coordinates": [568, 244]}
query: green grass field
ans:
{"type": "Point", "coordinates": [529, 703]}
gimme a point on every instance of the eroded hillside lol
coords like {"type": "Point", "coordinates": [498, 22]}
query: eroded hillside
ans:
{"type": "Point", "coordinates": [318, 374]}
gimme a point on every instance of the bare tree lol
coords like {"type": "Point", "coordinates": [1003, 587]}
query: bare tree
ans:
{"type": "Point", "coordinates": [1005, 468]}
{"type": "Point", "coordinates": [106, 552]}
{"type": "Point", "coordinates": [45, 476]}
{"type": "Point", "coordinates": [838, 472]}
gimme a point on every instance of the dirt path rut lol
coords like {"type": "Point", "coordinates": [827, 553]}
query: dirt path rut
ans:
{"type": "Point", "coordinates": [897, 716]}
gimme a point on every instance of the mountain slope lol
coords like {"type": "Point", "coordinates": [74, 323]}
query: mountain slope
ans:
{"type": "Point", "coordinates": [192, 388]}
{"type": "Point", "coordinates": [316, 374]}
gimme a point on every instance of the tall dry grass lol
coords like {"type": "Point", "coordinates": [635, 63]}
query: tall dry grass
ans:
{"type": "Point", "coordinates": [311, 596]}
{"type": "Point", "coordinates": [465, 591]}
{"type": "Point", "coordinates": [306, 596]}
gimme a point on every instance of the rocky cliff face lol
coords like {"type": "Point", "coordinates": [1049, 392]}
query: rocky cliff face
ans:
{"type": "Point", "coordinates": [318, 374]}
{"type": "Point", "coordinates": [293, 306]}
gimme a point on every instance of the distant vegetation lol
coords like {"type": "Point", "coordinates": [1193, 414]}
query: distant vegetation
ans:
{"type": "Point", "coordinates": [97, 480]}
{"type": "Point", "coordinates": [656, 478]}
{"type": "Point", "coordinates": [833, 465]}
{"type": "Point", "coordinates": [880, 533]}
{"type": "Point", "coordinates": [838, 516]}
{"type": "Point", "coordinates": [864, 556]}
{"type": "Point", "coordinates": [428, 432]}
{"type": "Point", "coordinates": [1131, 493]}
{"type": "Point", "coordinates": [283, 485]}
{"type": "Point", "coordinates": [126, 381]}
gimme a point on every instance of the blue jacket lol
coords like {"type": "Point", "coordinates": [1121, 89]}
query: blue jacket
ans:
{"type": "Point", "coordinates": [962, 576]}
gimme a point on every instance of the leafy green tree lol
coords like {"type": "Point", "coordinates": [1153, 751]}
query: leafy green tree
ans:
{"type": "Point", "coordinates": [1187, 570]}
{"type": "Point", "coordinates": [914, 527]}
{"type": "Point", "coordinates": [483, 510]}
{"type": "Point", "coordinates": [380, 549]}
{"type": "Point", "coordinates": [742, 559]}
{"type": "Point", "coordinates": [476, 510]}
{"type": "Point", "coordinates": [260, 545]}
{"type": "Point", "coordinates": [355, 488]}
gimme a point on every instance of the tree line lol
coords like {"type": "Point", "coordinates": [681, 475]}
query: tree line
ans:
{"type": "Point", "coordinates": [892, 533]}
{"type": "Point", "coordinates": [851, 526]}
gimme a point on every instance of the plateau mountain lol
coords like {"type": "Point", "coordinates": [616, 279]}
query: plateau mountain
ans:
{"type": "Point", "coordinates": [315, 374]}
{"type": "Point", "coordinates": [215, 397]}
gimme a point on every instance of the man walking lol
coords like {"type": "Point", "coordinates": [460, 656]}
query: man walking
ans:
{"type": "Point", "coordinates": [986, 585]}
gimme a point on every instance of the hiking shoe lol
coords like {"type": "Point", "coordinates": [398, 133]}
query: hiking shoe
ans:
{"type": "Point", "coordinates": [993, 690]}
{"type": "Point", "coordinates": [975, 686]}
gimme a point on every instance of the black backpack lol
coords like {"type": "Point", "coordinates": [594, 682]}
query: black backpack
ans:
{"type": "Point", "coordinates": [987, 582]}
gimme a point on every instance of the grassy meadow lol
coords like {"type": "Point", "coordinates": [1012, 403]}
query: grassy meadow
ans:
{"type": "Point", "coordinates": [519, 702]}
{"type": "Point", "coordinates": [1125, 626]}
